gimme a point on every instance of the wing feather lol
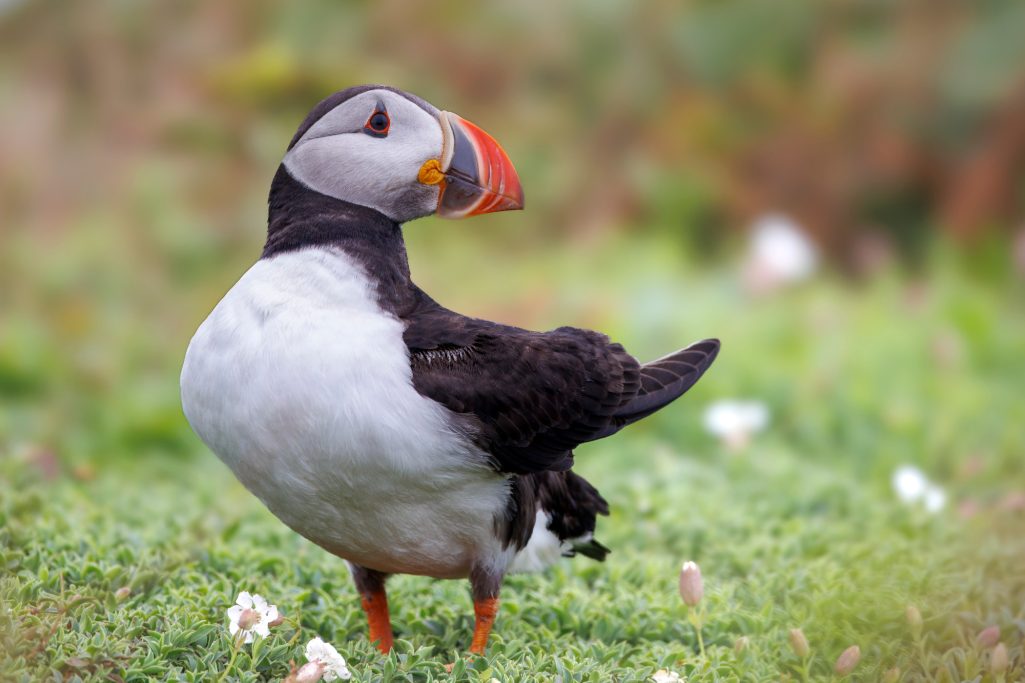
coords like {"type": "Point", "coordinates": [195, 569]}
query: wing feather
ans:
{"type": "Point", "coordinates": [529, 398]}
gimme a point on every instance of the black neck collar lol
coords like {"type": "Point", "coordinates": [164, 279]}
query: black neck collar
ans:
{"type": "Point", "coordinates": [301, 218]}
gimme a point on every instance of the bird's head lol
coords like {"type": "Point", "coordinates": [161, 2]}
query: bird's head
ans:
{"type": "Point", "coordinates": [382, 148]}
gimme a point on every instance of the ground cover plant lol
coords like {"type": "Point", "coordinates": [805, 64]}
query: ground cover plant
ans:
{"type": "Point", "coordinates": [123, 542]}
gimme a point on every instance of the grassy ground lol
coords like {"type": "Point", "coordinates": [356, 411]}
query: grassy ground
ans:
{"type": "Point", "coordinates": [121, 554]}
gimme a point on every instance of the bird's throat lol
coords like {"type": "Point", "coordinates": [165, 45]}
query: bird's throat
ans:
{"type": "Point", "coordinates": [299, 217]}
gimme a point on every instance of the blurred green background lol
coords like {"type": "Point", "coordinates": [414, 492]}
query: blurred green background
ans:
{"type": "Point", "coordinates": [137, 144]}
{"type": "Point", "coordinates": [139, 140]}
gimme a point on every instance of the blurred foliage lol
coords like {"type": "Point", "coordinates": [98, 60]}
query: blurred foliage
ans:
{"type": "Point", "coordinates": [857, 118]}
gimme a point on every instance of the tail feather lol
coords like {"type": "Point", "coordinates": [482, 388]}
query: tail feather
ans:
{"type": "Point", "coordinates": [663, 381]}
{"type": "Point", "coordinates": [590, 548]}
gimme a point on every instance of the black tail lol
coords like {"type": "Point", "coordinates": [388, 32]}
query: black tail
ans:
{"type": "Point", "coordinates": [591, 548]}
{"type": "Point", "coordinates": [663, 381]}
{"type": "Point", "coordinates": [573, 506]}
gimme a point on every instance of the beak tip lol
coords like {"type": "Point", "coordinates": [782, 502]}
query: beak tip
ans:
{"type": "Point", "coordinates": [511, 204]}
{"type": "Point", "coordinates": [515, 199]}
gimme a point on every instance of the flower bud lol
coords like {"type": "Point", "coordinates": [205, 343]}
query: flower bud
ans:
{"type": "Point", "coordinates": [248, 619]}
{"type": "Point", "coordinates": [847, 660]}
{"type": "Point", "coordinates": [741, 644]}
{"type": "Point", "coordinates": [310, 672]}
{"type": "Point", "coordinates": [914, 618]}
{"type": "Point", "coordinates": [998, 660]}
{"type": "Point", "coordinates": [277, 621]}
{"type": "Point", "coordinates": [988, 637]}
{"type": "Point", "coordinates": [892, 675]}
{"type": "Point", "coordinates": [692, 589]}
{"type": "Point", "coordinates": [122, 593]}
{"type": "Point", "coordinates": [798, 643]}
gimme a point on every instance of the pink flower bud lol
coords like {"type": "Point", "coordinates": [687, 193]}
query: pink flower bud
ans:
{"type": "Point", "coordinates": [892, 675]}
{"type": "Point", "coordinates": [122, 593]}
{"type": "Point", "coordinates": [988, 637]}
{"type": "Point", "coordinates": [998, 659]}
{"type": "Point", "coordinates": [278, 621]}
{"type": "Point", "coordinates": [741, 644]}
{"type": "Point", "coordinates": [847, 660]}
{"type": "Point", "coordinates": [248, 619]}
{"type": "Point", "coordinates": [798, 643]}
{"type": "Point", "coordinates": [914, 618]}
{"type": "Point", "coordinates": [310, 672]}
{"type": "Point", "coordinates": [692, 589]}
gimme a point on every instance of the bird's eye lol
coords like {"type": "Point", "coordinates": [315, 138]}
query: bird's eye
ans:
{"type": "Point", "coordinates": [378, 124]}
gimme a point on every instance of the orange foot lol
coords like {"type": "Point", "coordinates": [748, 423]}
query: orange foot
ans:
{"type": "Point", "coordinates": [485, 611]}
{"type": "Point", "coordinates": [376, 607]}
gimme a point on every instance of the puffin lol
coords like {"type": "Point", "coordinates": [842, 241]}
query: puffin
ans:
{"type": "Point", "coordinates": [399, 435]}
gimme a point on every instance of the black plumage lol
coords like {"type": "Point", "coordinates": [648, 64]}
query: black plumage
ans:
{"type": "Point", "coordinates": [534, 396]}
{"type": "Point", "coordinates": [529, 398]}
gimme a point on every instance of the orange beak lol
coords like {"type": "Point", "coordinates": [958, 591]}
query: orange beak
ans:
{"type": "Point", "coordinates": [478, 176]}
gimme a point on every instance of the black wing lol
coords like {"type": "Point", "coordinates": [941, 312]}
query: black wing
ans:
{"type": "Point", "coordinates": [532, 397]}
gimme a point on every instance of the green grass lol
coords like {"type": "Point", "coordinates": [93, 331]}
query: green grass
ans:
{"type": "Point", "coordinates": [801, 529]}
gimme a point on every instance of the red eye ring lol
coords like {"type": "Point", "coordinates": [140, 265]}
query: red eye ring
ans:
{"type": "Point", "coordinates": [378, 124]}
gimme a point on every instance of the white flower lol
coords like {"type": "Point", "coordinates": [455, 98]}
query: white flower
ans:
{"type": "Point", "coordinates": [252, 615]}
{"type": "Point", "coordinates": [780, 253]}
{"type": "Point", "coordinates": [735, 421]}
{"type": "Point", "coordinates": [326, 655]}
{"type": "Point", "coordinates": [666, 676]}
{"type": "Point", "coordinates": [935, 498]}
{"type": "Point", "coordinates": [912, 486]}
{"type": "Point", "coordinates": [909, 483]}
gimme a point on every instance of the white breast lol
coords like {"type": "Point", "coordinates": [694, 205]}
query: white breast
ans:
{"type": "Point", "coordinates": [301, 384]}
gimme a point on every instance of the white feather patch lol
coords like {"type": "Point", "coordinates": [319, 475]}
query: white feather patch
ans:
{"type": "Point", "coordinates": [301, 384]}
{"type": "Point", "coordinates": [542, 550]}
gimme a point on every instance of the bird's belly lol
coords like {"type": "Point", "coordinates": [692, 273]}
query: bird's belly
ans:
{"type": "Point", "coordinates": [395, 525]}
{"type": "Point", "coordinates": [312, 407]}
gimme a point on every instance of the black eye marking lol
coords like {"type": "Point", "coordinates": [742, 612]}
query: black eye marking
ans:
{"type": "Point", "coordinates": [378, 124]}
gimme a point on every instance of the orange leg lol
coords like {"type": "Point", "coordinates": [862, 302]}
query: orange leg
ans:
{"type": "Point", "coordinates": [375, 604]}
{"type": "Point", "coordinates": [485, 612]}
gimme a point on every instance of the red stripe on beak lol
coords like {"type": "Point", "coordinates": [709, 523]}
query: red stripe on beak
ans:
{"type": "Point", "coordinates": [480, 178]}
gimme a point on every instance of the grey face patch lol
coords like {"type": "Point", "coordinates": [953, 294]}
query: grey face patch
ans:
{"type": "Point", "coordinates": [332, 101]}
{"type": "Point", "coordinates": [335, 157]}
